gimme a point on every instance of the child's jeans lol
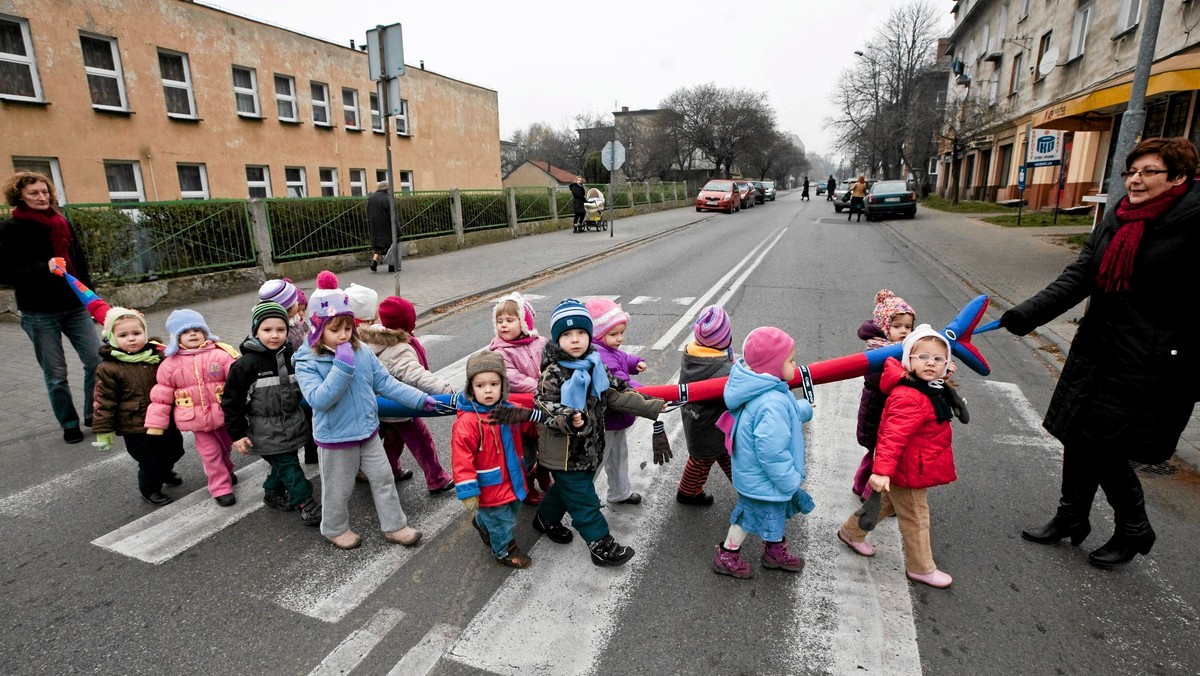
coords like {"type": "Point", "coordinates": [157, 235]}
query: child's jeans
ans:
{"type": "Point", "coordinates": [415, 435]}
{"type": "Point", "coordinates": [338, 467]}
{"type": "Point", "coordinates": [156, 457]}
{"type": "Point", "coordinates": [287, 475]}
{"type": "Point", "coordinates": [214, 448]}
{"type": "Point", "coordinates": [575, 492]}
{"type": "Point", "coordinates": [616, 465]}
{"type": "Point", "coordinates": [499, 522]}
{"type": "Point", "coordinates": [912, 511]}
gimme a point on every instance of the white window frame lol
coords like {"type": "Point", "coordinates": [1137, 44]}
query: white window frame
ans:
{"type": "Point", "coordinates": [1079, 29]}
{"type": "Point", "coordinates": [932, 169]}
{"type": "Point", "coordinates": [251, 91]}
{"type": "Point", "coordinates": [358, 182]}
{"type": "Point", "coordinates": [55, 172]}
{"type": "Point", "coordinates": [185, 84]}
{"type": "Point", "coordinates": [320, 104]}
{"type": "Point", "coordinates": [1017, 77]}
{"type": "Point", "coordinates": [300, 187]}
{"type": "Point", "coordinates": [265, 183]}
{"type": "Point", "coordinates": [351, 115]}
{"type": "Point", "coordinates": [116, 74]}
{"type": "Point", "coordinates": [401, 120]}
{"type": "Point", "coordinates": [1128, 16]}
{"type": "Point", "coordinates": [202, 193]}
{"type": "Point", "coordinates": [288, 97]}
{"type": "Point", "coordinates": [139, 195]}
{"type": "Point", "coordinates": [331, 184]}
{"type": "Point", "coordinates": [29, 60]}
{"type": "Point", "coordinates": [406, 180]}
{"type": "Point", "coordinates": [1024, 9]}
{"type": "Point", "coordinates": [376, 114]}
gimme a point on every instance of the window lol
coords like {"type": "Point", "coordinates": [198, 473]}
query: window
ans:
{"type": "Point", "coordinates": [1006, 156]}
{"type": "Point", "coordinates": [932, 169]}
{"type": "Point", "coordinates": [406, 181]}
{"type": "Point", "coordinates": [245, 91]}
{"type": "Point", "coordinates": [1024, 9]}
{"type": "Point", "coordinates": [102, 64]}
{"type": "Point", "coordinates": [18, 69]}
{"type": "Point", "coordinates": [193, 181]}
{"type": "Point", "coordinates": [320, 101]}
{"type": "Point", "coordinates": [177, 84]}
{"type": "Point", "coordinates": [258, 181]}
{"type": "Point", "coordinates": [124, 181]}
{"type": "Point", "coordinates": [350, 108]}
{"type": "Point", "coordinates": [994, 84]}
{"type": "Point", "coordinates": [358, 182]}
{"type": "Point", "coordinates": [1127, 17]}
{"type": "Point", "coordinates": [401, 118]}
{"type": "Point", "coordinates": [294, 177]}
{"type": "Point", "coordinates": [47, 166]}
{"type": "Point", "coordinates": [381, 175]}
{"type": "Point", "coordinates": [285, 98]}
{"type": "Point", "coordinates": [329, 185]}
{"type": "Point", "coordinates": [1018, 73]}
{"type": "Point", "coordinates": [376, 116]}
{"type": "Point", "coordinates": [1083, 20]}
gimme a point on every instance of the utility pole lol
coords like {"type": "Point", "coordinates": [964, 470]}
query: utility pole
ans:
{"type": "Point", "coordinates": [1135, 114]}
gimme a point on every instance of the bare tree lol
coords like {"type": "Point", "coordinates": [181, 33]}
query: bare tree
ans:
{"type": "Point", "coordinates": [775, 156]}
{"type": "Point", "coordinates": [720, 122]}
{"type": "Point", "coordinates": [968, 122]}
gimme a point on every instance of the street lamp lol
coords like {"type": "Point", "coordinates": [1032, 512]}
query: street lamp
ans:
{"type": "Point", "coordinates": [875, 96]}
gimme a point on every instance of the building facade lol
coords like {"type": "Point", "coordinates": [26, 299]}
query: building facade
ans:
{"type": "Point", "coordinates": [144, 100]}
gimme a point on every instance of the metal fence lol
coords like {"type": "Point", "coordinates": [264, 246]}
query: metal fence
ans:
{"type": "Point", "coordinates": [484, 209]}
{"type": "Point", "coordinates": [314, 226]}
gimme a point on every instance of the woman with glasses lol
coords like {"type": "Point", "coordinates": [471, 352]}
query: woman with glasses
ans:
{"type": "Point", "coordinates": [1132, 375]}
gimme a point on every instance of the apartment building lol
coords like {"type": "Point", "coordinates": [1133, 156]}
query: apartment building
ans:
{"type": "Point", "coordinates": [169, 99]}
{"type": "Point", "coordinates": [1067, 65]}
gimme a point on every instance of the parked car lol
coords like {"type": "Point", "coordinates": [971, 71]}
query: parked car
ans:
{"type": "Point", "coordinates": [820, 183]}
{"type": "Point", "coordinates": [839, 193]}
{"type": "Point", "coordinates": [747, 193]}
{"type": "Point", "coordinates": [769, 190]}
{"type": "Point", "coordinates": [890, 197]}
{"type": "Point", "coordinates": [719, 195]}
{"type": "Point", "coordinates": [760, 193]}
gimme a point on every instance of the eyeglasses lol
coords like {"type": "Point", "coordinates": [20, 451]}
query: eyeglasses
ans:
{"type": "Point", "coordinates": [925, 356]}
{"type": "Point", "coordinates": [1146, 173]}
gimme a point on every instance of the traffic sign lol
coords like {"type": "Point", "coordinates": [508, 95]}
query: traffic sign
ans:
{"type": "Point", "coordinates": [1021, 178]}
{"type": "Point", "coordinates": [613, 155]}
{"type": "Point", "coordinates": [391, 39]}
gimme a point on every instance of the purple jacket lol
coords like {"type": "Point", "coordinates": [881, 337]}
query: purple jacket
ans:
{"type": "Point", "coordinates": [870, 406]}
{"type": "Point", "coordinates": [619, 364]}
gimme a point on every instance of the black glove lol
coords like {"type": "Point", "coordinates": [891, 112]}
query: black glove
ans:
{"type": "Point", "coordinates": [660, 445]}
{"type": "Point", "coordinates": [1016, 323]}
{"type": "Point", "coordinates": [512, 415]}
{"type": "Point", "coordinates": [958, 405]}
{"type": "Point", "coordinates": [868, 513]}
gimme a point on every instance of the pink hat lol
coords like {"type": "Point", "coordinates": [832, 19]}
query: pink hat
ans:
{"type": "Point", "coordinates": [606, 315]}
{"type": "Point", "coordinates": [712, 328]}
{"type": "Point", "coordinates": [765, 350]}
{"type": "Point", "coordinates": [524, 311]}
{"type": "Point", "coordinates": [328, 301]}
{"type": "Point", "coordinates": [887, 306]}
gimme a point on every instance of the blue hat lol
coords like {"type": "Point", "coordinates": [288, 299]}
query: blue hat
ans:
{"type": "Point", "coordinates": [182, 320]}
{"type": "Point", "coordinates": [569, 314]}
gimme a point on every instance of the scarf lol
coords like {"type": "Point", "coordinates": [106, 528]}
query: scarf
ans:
{"type": "Point", "coordinates": [420, 349]}
{"type": "Point", "coordinates": [150, 354]}
{"type": "Point", "coordinates": [936, 393]}
{"type": "Point", "coordinates": [588, 377]}
{"type": "Point", "coordinates": [60, 230]}
{"type": "Point", "coordinates": [523, 340]}
{"type": "Point", "coordinates": [1116, 268]}
{"type": "Point", "coordinates": [515, 464]}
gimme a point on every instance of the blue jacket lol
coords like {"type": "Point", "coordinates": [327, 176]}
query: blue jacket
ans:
{"type": "Point", "coordinates": [343, 397]}
{"type": "Point", "coordinates": [768, 442]}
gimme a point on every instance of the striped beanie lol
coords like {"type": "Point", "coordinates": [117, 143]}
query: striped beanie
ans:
{"type": "Point", "coordinates": [606, 316]}
{"type": "Point", "coordinates": [281, 291]}
{"type": "Point", "coordinates": [266, 310]}
{"type": "Point", "coordinates": [569, 314]}
{"type": "Point", "coordinates": [712, 328]}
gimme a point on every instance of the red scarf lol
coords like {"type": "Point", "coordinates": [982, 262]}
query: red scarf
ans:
{"type": "Point", "coordinates": [420, 350]}
{"type": "Point", "coordinates": [1116, 268]}
{"type": "Point", "coordinates": [60, 230]}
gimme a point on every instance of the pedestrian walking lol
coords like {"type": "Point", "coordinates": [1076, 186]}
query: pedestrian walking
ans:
{"type": "Point", "coordinates": [858, 196]}
{"type": "Point", "coordinates": [578, 200]}
{"type": "Point", "coordinates": [830, 185]}
{"type": "Point", "coordinates": [609, 323]}
{"type": "Point", "coordinates": [707, 355]}
{"type": "Point", "coordinates": [804, 190]}
{"type": "Point", "coordinates": [379, 223]}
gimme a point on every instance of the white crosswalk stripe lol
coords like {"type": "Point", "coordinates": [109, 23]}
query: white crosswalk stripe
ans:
{"type": "Point", "coordinates": [425, 655]}
{"type": "Point", "coordinates": [355, 648]}
{"type": "Point", "coordinates": [685, 300]}
{"type": "Point", "coordinates": [643, 299]}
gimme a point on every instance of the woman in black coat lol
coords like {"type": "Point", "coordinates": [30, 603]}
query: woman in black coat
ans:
{"type": "Point", "coordinates": [1133, 372]}
{"type": "Point", "coordinates": [577, 200]}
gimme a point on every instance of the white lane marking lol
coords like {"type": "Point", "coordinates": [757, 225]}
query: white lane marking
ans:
{"type": "Point", "coordinates": [553, 619]}
{"type": "Point", "coordinates": [456, 373]}
{"type": "Point", "coordinates": [355, 648]}
{"type": "Point", "coordinates": [34, 500]}
{"type": "Point", "coordinates": [425, 655]}
{"type": "Point", "coordinates": [686, 300]}
{"type": "Point", "coordinates": [643, 299]}
{"type": "Point", "coordinates": [434, 338]}
{"type": "Point", "coordinates": [584, 299]}
{"type": "Point", "coordinates": [686, 319]}
{"type": "Point", "coordinates": [1021, 416]}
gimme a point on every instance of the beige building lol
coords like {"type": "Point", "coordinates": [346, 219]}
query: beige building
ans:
{"type": "Point", "coordinates": [1066, 65]}
{"type": "Point", "coordinates": [167, 99]}
{"type": "Point", "coordinates": [539, 173]}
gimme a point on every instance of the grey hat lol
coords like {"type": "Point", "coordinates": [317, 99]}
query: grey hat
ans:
{"type": "Point", "coordinates": [486, 361]}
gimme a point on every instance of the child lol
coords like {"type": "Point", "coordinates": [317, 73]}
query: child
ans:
{"type": "Point", "coordinates": [609, 322]}
{"type": "Point", "coordinates": [263, 413]}
{"type": "Point", "coordinates": [191, 382]}
{"type": "Point", "coordinates": [767, 442]}
{"type": "Point", "coordinates": [488, 467]}
{"type": "Point", "coordinates": [400, 352]}
{"type": "Point", "coordinates": [364, 303]}
{"type": "Point", "coordinates": [913, 451]}
{"type": "Point", "coordinates": [518, 342]}
{"type": "Point", "coordinates": [892, 320]}
{"type": "Point", "coordinates": [284, 292]}
{"type": "Point", "coordinates": [340, 381]}
{"type": "Point", "coordinates": [707, 355]}
{"type": "Point", "coordinates": [126, 375]}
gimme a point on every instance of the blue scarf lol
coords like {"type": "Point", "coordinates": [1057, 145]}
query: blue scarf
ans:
{"type": "Point", "coordinates": [513, 461]}
{"type": "Point", "coordinates": [588, 377]}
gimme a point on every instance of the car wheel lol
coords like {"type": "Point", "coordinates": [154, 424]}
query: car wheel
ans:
{"type": "Point", "coordinates": [837, 208]}
{"type": "Point", "coordinates": [698, 210]}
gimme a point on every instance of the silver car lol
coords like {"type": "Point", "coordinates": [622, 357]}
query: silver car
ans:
{"type": "Point", "coordinates": [768, 191]}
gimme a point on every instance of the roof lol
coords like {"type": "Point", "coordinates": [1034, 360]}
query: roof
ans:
{"type": "Point", "coordinates": [561, 175]}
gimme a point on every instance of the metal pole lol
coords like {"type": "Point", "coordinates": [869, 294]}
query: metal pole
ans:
{"type": "Point", "coordinates": [1058, 192]}
{"type": "Point", "coordinates": [385, 112]}
{"type": "Point", "coordinates": [612, 184]}
{"type": "Point", "coordinates": [1135, 113]}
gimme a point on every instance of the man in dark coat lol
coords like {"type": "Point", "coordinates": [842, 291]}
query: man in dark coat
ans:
{"type": "Point", "coordinates": [829, 186]}
{"type": "Point", "coordinates": [379, 222]}
{"type": "Point", "coordinates": [577, 200]}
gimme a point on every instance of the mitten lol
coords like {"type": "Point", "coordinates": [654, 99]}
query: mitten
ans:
{"type": "Point", "coordinates": [1016, 323]}
{"type": "Point", "coordinates": [345, 354]}
{"type": "Point", "coordinates": [471, 504]}
{"type": "Point", "coordinates": [511, 415]}
{"type": "Point", "coordinates": [660, 445]}
{"type": "Point", "coordinates": [430, 404]}
{"type": "Point", "coordinates": [868, 513]}
{"type": "Point", "coordinates": [104, 441]}
{"type": "Point", "coordinates": [958, 405]}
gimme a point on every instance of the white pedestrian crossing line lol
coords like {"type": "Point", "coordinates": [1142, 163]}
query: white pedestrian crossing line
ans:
{"type": "Point", "coordinates": [355, 648]}
{"type": "Point", "coordinates": [643, 299]}
{"type": "Point", "coordinates": [425, 655]}
{"type": "Point", "coordinates": [685, 300]}
{"type": "Point", "coordinates": [1021, 417]}
{"type": "Point", "coordinates": [34, 500]}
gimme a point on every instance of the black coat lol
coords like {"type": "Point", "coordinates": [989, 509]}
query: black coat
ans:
{"type": "Point", "coordinates": [704, 438]}
{"type": "Point", "coordinates": [379, 219]}
{"type": "Point", "coordinates": [25, 252]}
{"type": "Point", "coordinates": [1133, 372]}
{"type": "Point", "coordinates": [577, 197]}
{"type": "Point", "coordinates": [262, 400]}
{"type": "Point", "coordinates": [870, 404]}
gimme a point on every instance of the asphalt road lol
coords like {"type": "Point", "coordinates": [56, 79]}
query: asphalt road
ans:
{"type": "Point", "coordinates": [92, 585]}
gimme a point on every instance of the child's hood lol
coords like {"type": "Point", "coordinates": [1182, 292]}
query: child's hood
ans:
{"type": "Point", "coordinates": [380, 337]}
{"type": "Point", "coordinates": [869, 330]}
{"type": "Point", "coordinates": [893, 373]}
{"type": "Point", "coordinates": [744, 385]}
{"type": "Point", "coordinates": [253, 345]}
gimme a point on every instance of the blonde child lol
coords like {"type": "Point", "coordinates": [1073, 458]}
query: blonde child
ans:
{"type": "Point", "coordinates": [609, 323]}
{"type": "Point", "coordinates": [708, 355]}
{"type": "Point", "coordinates": [913, 451]}
{"type": "Point", "coordinates": [191, 382]}
{"type": "Point", "coordinates": [768, 452]}
{"type": "Point", "coordinates": [892, 320]}
{"type": "Point", "coordinates": [340, 380]}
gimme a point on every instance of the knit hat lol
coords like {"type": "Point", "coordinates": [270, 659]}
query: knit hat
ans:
{"type": "Point", "coordinates": [266, 310]}
{"type": "Point", "coordinates": [398, 313]}
{"type": "Point", "coordinates": [486, 361]}
{"type": "Point", "coordinates": [887, 306]}
{"type": "Point", "coordinates": [606, 316]}
{"type": "Point", "coordinates": [524, 311]}
{"type": "Point", "coordinates": [183, 320]}
{"type": "Point", "coordinates": [569, 314]}
{"type": "Point", "coordinates": [116, 314]}
{"type": "Point", "coordinates": [922, 331]}
{"type": "Point", "coordinates": [301, 299]}
{"type": "Point", "coordinates": [327, 301]}
{"type": "Point", "coordinates": [712, 328]}
{"type": "Point", "coordinates": [281, 291]}
{"type": "Point", "coordinates": [364, 302]}
{"type": "Point", "coordinates": [765, 350]}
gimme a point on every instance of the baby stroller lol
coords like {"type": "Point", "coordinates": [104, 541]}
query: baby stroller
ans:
{"type": "Point", "coordinates": [593, 209]}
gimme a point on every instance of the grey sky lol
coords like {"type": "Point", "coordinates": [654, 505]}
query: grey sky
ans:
{"type": "Point", "coordinates": [551, 60]}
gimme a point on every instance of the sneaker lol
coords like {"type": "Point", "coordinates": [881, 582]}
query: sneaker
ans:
{"type": "Point", "coordinates": [72, 435]}
{"type": "Point", "coordinates": [347, 540]}
{"type": "Point", "coordinates": [173, 480]}
{"type": "Point", "coordinates": [862, 548]}
{"type": "Point", "coordinates": [729, 562]}
{"type": "Point", "coordinates": [402, 475]}
{"type": "Point", "coordinates": [483, 533]}
{"type": "Point", "coordinates": [777, 555]}
{"type": "Point", "coordinates": [607, 552]}
{"type": "Point", "coordinates": [157, 498]}
{"type": "Point", "coordinates": [937, 579]}
{"type": "Point", "coordinates": [555, 531]}
{"type": "Point", "coordinates": [443, 488]}
{"type": "Point", "coordinates": [233, 477]}
{"type": "Point", "coordinates": [227, 500]}
{"type": "Point", "coordinates": [515, 558]}
{"type": "Point", "coordinates": [310, 512]}
{"type": "Point", "coordinates": [701, 499]}
{"type": "Point", "coordinates": [278, 501]}
{"type": "Point", "coordinates": [633, 499]}
{"type": "Point", "coordinates": [407, 536]}
{"type": "Point", "coordinates": [374, 265]}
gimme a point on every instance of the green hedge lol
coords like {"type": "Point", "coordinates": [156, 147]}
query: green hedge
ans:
{"type": "Point", "coordinates": [484, 209]}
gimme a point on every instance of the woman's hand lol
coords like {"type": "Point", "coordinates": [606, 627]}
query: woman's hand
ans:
{"type": "Point", "coordinates": [879, 482]}
{"type": "Point", "coordinates": [57, 266]}
{"type": "Point", "coordinates": [243, 445]}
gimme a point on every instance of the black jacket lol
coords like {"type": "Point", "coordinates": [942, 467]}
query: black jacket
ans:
{"type": "Point", "coordinates": [1133, 371]}
{"type": "Point", "coordinates": [379, 219]}
{"type": "Point", "coordinates": [25, 251]}
{"type": "Point", "coordinates": [578, 193]}
{"type": "Point", "coordinates": [262, 400]}
{"type": "Point", "coordinates": [704, 438]}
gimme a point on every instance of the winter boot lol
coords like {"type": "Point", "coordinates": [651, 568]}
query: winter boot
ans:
{"type": "Point", "coordinates": [1133, 534]}
{"type": "Point", "coordinates": [514, 557]}
{"type": "Point", "coordinates": [277, 500]}
{"type": "Point", "coordinates": [310, 512]}
{"type": "Point", "coordinates": [729, 562]}
{"type": "Point", "coordinates": [701, 499]}
{"type": "Point", "coordinates": [555, 531]}
{"type": "Point", "coordinates": [607, 552]}
{"type": "Point", "coordinates": [777, 555]}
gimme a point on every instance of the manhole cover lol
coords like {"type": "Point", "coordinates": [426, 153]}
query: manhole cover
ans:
{"type": "Point", "coordinates": [1160, 469]}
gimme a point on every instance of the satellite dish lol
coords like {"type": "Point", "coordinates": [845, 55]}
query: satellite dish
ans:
{"type": "Point", "coordinates": [1048, 62]}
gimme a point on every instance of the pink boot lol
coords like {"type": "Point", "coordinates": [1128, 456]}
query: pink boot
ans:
{"type": "Point", "coordinates": [777, 555]}
{"type": "Point", "coordinates": [730, 562]}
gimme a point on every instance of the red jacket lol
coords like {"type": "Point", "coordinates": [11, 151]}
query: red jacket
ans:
{"type": "Point", "coordinates": [914, 449]}
{"type": "Point", "coordinates": [477, 454]}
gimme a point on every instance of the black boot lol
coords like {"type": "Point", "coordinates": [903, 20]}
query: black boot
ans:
{"type": "Point", "coordinates": [1133, 534]}
{"type": "Point", "coordinates": [1121, 548]}
{"type": "Point", "coordinates": [1057, 529]}
{"type": "Point", "coordinates": [1079, 484]}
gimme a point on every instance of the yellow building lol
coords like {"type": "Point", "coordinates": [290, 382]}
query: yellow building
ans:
{"type": "Point", "coordinates": [166, 99]}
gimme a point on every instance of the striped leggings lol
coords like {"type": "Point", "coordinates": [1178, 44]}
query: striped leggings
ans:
{"type": "Point", "coordinates": [695, 473]}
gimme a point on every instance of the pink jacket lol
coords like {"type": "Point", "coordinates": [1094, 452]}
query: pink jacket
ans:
{"type": "Point", "coordinates": [191, 383]}
{"type": "Point", "coordinates": [522, 363]}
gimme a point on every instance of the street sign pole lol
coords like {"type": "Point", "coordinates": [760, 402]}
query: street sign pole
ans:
{"type": "Point", "coordinates": [377, 41]}
{"type": "Point", "coordinates": [612, 185]}
{"type": "Point", "coordinates": [1020, 191]}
